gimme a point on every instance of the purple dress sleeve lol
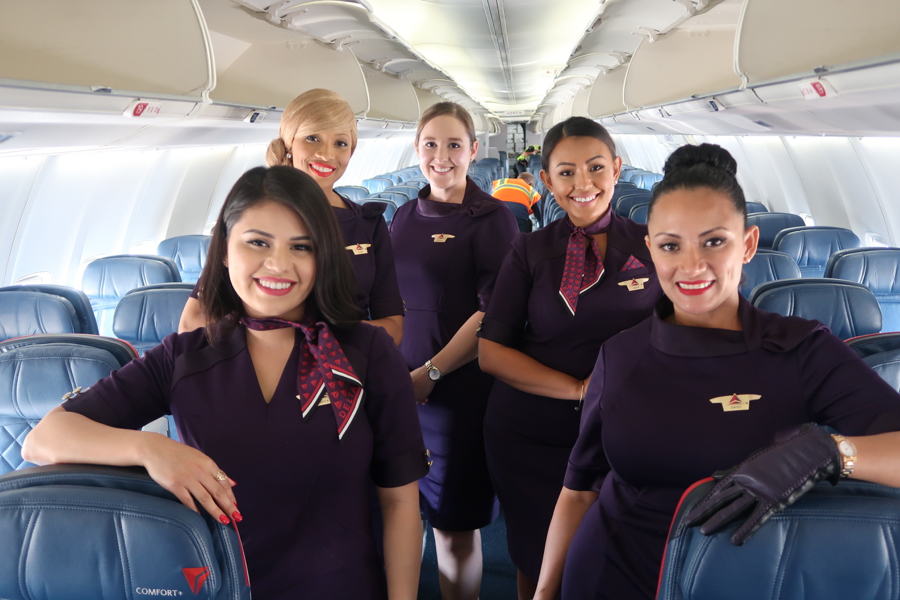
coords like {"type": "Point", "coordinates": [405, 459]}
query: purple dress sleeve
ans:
{"type": "Point", "coordinates": [399, 455]}
{"type": "Point", "coordinates": [384, 296]}
{"type": "Point", "coordinates": [587, 463]}
{"type": "Point", "coordinates": [506, 316]}
{"type": "Point", "coordinates": [195, 293]}
{"type": "Point", "coordinates": [491, 246]}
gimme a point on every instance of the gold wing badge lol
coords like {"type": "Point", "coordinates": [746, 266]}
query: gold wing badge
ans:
{"type": "Point", "coordinates": [358, 248]}
{"type": "Point", "coordinates": [632, 285]}
{"type": "Point", "coordinates": [735, 401]}
{"type": "Point", "coordinates": [442, 237]}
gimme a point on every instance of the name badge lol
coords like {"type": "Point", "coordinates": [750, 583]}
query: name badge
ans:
{"type": "Point", "coordinates": [442, 237]}
{"type": "Point", "coordinates": [359, 248]}
{"type": "Point", "coordinates": [735, 401]}
{"type": "Point", "coordinates": [634, 285]}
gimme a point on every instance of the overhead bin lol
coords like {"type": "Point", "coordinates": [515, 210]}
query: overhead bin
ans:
{"type": "Point", "coordinates": [778, 39]}
{"type": "Point", "coordinates": [390, 98]}
{"type": "Point", "coordinates": [426, 99]}
{"type": "Point", "coordinates": [580, 103]}
{"type": "Point", "coordinates": [606, 94]}
{"type": "Point", "coordinates": [155, 48]}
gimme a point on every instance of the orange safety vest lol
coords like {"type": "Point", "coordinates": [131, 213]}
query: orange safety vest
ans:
{"type": "Point", "coordinates": [515, 190]}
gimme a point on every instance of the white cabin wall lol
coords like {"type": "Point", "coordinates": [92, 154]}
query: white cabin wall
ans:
{"type": "Point", "coordinates": [377, 156]}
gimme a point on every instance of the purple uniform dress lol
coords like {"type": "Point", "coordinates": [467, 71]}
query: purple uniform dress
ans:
{"type": "Point", "coordinates": [448, 257]}
{"type": "Point", "coordinates": [303, 493]}
{"type": "Point", "coordinates": [369, 246]}
{"type": "Point", "coordinates": [654, 423]}
{"type": "Point", "coordinates": [528, 438]}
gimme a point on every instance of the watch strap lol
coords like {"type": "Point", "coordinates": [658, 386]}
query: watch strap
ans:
{"type": "Point", "coordinates": [847, 461]}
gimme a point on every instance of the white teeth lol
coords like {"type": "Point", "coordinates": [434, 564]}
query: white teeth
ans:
{"type": "Point", "coordinates": [442, 169]}
{"type": "Point", "coordinates": [272, 285]}
{"type": "Point", "coordinates": [583, 198]}
{"type": "Point", "coordinates": [696, 286]}
{"type": "Point", "coordinates": [321, 169]}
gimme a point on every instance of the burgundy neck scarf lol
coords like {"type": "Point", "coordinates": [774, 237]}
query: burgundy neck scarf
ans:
{"type": "Point", "coordinates": [324, 374]}
{"type": "Point", "coordinates": [584, 265]}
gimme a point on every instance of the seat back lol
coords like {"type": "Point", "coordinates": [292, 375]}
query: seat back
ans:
{"type": "Point", "coordinates": [848, 309]}
{"type": "Point", "coordinates": [410, 191]}
{"type": "Point", "coordinates": [756, 207]}
{"type": "Point", "coordinates": [27, 313]}
{"type": "Point", "coordinates": [770, 223]}
{"type": "Point", "coordinates": [377, 184]}
{"type": "Point", "coordinates": [106, 280]}
{"type": "Point", "coordinates": [811, 247]}
{"type": "Point", "coordinates": [765, 266]}
{"type": "Point", "coordinates": [84, 313]}
{"type": "Point", "coordinates": [144, 316]}
{"type": "Point", "coordinates": [628, 200]}
{"type": "Point", "coordinates": [834, 542]}
{"type": "Point", "coordinates": [534, 164]}
{"type": "Point", "coordinates": [188, 252]}
{"type": "Point", "coordinates": [37, 371]}
{"type": "Point", "coordinates": [877, 269]}
{"type": "Point", "coordinates": [354, 192]}
{"type": "Point", "coordinates": [881, 351]}
{"type": "Point", "coordinates": [646, 180]}
{"type": "Point", "coordinates": [80, 531]}
{"type": "Point", "coordinates": [389, 211]}
{"type": "Point", "coordinates": [640, 212]}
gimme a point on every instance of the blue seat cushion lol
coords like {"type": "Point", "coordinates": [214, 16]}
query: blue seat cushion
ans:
{"type": "Point", "coordinates": [765, 266]}
{"type": "Point", "coordinates": [147, 315]}
{"type": "Point", "coordinates": [87, 323]}
{"type": "Point", "coordinates": [811, 247]}
{"type": "Point", "coordinates": [879, 270]}
{"type": "Point", "coordinates": [770, 223]}
{"type": "Point", "coordinates": [188, 252]}
{"type": "Point", "coordinates": [28, 313]}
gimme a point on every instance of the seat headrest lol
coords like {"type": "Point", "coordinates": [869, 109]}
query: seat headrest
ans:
{"type": "Point", "coordinates": [876, 343]}
{"type": "Point", "coordinates": [770, 223]}
{"type": "Point", "coordinates": [876, 268]}
{"type": "Point", "coordinates": [79, 300]}
{"type": "Point", "coordinates": [147, 315]}
{"type": "Point", "coordinates": [28, 313]}
{"type": "Point", "coordinates": [756, 207]}
{"type": "Point", "coordinates": [188, 252]}
{"type": "Point", "coordinates": [77, 531]}
{"type": "Point", "coordinates": [811, 247]}
{"type": "Point", "coordinates": [110, 277]}
{"type": "Point", "coordinates": [834, 542]}
{"type": "Point", "coordinates": [848, 309]}
{"type": "Point", "coordinates": [122, 351]}
{"type": "Point", "coordinates": [767, 265]}
{"type": "Point", "coordinates": [639, 213]}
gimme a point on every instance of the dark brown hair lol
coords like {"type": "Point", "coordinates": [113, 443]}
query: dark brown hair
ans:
{"type": "Point", "coordinates": [574, 127]}
{"type": "Point", "coordinates": [447, 108]}
{"type": "Point", "coordinates": [333, 290]}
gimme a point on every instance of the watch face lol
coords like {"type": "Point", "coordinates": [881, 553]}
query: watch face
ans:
{"type": "Point", "coordinates": [434, 374]}
{"type": "Point", "coordinates": [846, 448]}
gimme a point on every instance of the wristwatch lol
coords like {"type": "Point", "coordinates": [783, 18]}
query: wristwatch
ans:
{"type": "Point", "coordinates": [848, 454]}
{"type": "Point", "coordinates": [434, 373]}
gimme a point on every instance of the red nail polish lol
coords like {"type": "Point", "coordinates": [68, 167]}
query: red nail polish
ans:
{"type": "Point", "coordinates": [232, 481]}
{"type": "Point", "coordinates": [224, 520]}
{"type": "Point", "coordinates": [237, 517]}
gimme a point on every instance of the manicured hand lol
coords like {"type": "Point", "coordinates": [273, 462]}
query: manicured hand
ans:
{"type": "Point", "coordinates": [422, 384]}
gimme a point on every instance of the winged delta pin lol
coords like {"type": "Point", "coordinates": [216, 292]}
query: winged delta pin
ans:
{"type": "Point", "coordinates": [735, 401]}
{"type": "Point", "coordinates": [632, 285]}
{"type": "Point", "coordinates": [359, 248]}
{"type": "Point", "coordinates": [442, 237]}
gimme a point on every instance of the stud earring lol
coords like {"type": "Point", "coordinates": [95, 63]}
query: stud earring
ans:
{"type": "Point", "coordinates": [287, 155]}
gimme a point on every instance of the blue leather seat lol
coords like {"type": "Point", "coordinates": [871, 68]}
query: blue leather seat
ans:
{"type": "Point", "coordinates": [628, 200]}
{"type": "Point", "coordinates": [354, 192]}
{"type": "Point", "coordinates": [37, 371]}
{"type": "Point", "coordinates": [879, 270]}
{"type": "Point", "coordinates": [848, 309]}
{"type": "Point", "coordinates": [765, 266]}
{"type": "Point", "coordinates": [811, 247]}
{"type": "Point", "coordinates": [646, 180]}
{"type": "Point", "coordinates": [833, 543]}
{"type": "Point", "coordinates": [377, 184]}
{"type": "Point", "coordinates": [86, 531]}
{"type": "Point", "coordinates": [416, 182]}
{"type": "Point", "coordinates": [28, 313]}
{"type": "Point", "coordinates": [106, 280]}
{"type": "Point", "coordinates": [84, 312]}
{"type": "Point", "coordinates": [756, 207]}
{"type": "Point", "coordinates": [188, 252]}
{"type": "Point", "coordinates": [409, 190]}
{"type": "Point", "coordinates": [493, 164]}
{"type": "Point", "coordinates": [770, 223]}
{"type": "Point", "coordinates": [534, 165]}
{"type": "Point", "coordinates": [144, 316]}
{"type": "Point", "coordinates": [639, 213]}
{"type": "Point", "coordinates": [880, 351]}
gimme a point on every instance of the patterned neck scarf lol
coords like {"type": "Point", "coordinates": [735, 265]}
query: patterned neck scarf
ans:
{"type": "Point", "coordinates": [584, 265]}
{"type": "Point", "coordinates": [324, 375]}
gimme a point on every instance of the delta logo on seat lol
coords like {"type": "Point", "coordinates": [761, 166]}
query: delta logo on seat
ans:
{"type": "Point", "coordinates": [196, 577]}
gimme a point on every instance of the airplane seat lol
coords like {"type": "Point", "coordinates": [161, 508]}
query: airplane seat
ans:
{"type": "Point", "coordinates": [534, 165]}
{"type": "Point", "coordinates": [416, 182]}
{"type": "Point", "coordinates": [493, 164]}
{"type": "Point", "coordinates": [354, 192]}
{"type": "Point", "coordinates": [875, 268]}
{"type": "Point", "coordinates": [881, 351]}
{"type": "Point", "coordinates": [504, 163]}
{"type": "Point", "coordinates": [639, 213]}
{"type": "Point", "coordinates": [849, 309]}
{"type": "Point", "coordinates": [632, 176]}
{"type": "Point", "coordinates": [770, 223]}
{"type": "Point", "coordinates": [625, 185]}
{"type": "Point", "coordinates": [756, 207]}
{"type": "Point", "coordinates": [376, 184]}
{"type": "Point", "coordinates": [144, 316]}
{"type": "Point", "coordinates": [397, 198]}
{"type": "Point", "coordinates": [520, 212]}
{"type": "Point", "coordinates": [36, 372]}
{"type": "Point", "coordinates": [811, 247]}
{"type": "Point", "coordinates": [629, 200]}
{"type": "Point", "coordinates": [646, 180]}
{"type": "Point", "coordinates": [81, 304]}
{"type": "Point", "coordinates": [765, 266]}
{"type": "Point", "coordinates": [91, 531]}
{"type": "Point", "coordinates": [391, 206]}
{"type": "Point", "coordinates": [27, 313]}
{"type": "Point", "coordinates": [188, 252]}
{"type": "Point", "coordinates": [834, 542]}
{"type": "Point", "coordinates": [411, 191]}
{"type": "Point", "coordinates": [106, 280]}
{"type": "Point", "coordinates": [394, 177]}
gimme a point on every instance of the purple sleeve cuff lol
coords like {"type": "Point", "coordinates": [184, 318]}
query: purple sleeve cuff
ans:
{"type": "Point", "coordinates": [401, 470]}
{"type": "Point", "coordinates": [499, 332]}
{"type": "Point", "coordinates": [195, 293]}
{"type": "Point", "coordinates": [581, 479]}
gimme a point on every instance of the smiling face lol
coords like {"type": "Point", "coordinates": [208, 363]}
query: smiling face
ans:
{"type": "Point", "coordinates": [271, 262]}
{"type": "Point", "coordinates": [699, 245]}
{"type": "Point", "coordinates": [582, 177]}
{"type": "Point", "coordinates": [444, 152]}
{"type": "Point", "coordinates": [324, 155]}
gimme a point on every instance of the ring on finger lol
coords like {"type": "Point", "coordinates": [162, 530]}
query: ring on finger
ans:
{"type": "Point", "coordinates": [220, 476]}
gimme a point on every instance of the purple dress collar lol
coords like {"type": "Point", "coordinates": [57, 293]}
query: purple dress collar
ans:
{"type": "Point", "coordinates": [473, 203]}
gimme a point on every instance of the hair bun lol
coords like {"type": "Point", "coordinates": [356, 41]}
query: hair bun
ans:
{"type": "Point", "coordinates": [712, 155]}
{"type": "Point", "coordinates": [276, 153]}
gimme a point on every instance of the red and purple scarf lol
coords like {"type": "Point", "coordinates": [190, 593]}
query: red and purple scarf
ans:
{"type": "Point", "coordinates": [584, 265]}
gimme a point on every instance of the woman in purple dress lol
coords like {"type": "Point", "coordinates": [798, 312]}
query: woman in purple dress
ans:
{"type": "Point", "coordinates": [317, 135]}
{"type": "Point", "coordinates": [450, 242]}
{"type": "Point", "coordinates": [286, 392]}
{"type": "Point", "coordinates": [699, 387]}
{"type": "Point", "coordinates": [543, 330]}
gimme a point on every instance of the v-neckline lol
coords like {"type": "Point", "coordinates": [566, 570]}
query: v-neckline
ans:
{"type": "Point", "coordinates": [281, 379]}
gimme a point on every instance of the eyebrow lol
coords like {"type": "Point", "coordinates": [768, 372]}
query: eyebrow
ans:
{"type": "Point", "coordinates": [429, 138]}
{"type": "Point", "coordinates": [707, 232]}
{"type": "Point", "coordinates": [272, 237]}
{"type": "Point", "coordinates": [568, 164]}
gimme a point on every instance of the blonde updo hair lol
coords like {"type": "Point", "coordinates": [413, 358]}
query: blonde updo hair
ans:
{"type": "Point", "coordinates": [451, 109]}
{"type": "Point", "coordinates": [312, 111]}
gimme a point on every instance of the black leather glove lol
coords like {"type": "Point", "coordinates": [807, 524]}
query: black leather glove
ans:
{"type": "Point", "coordinates": [767, 482]}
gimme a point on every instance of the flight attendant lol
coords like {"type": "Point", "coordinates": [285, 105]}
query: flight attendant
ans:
{"type": "Point", "coordinates": [561, 293]}
{"type": "Point", "coordinates": [699, 387]}
{"type": "Point", "coordinates": [285, 392]}
{"type": "Point", "coordinates": [450, 242]}
{"type": "Point", "coordinates": [317, 135]}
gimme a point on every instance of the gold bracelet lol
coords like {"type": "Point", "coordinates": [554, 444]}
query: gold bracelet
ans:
{"type": "Point", "coordinates": [582, 391]}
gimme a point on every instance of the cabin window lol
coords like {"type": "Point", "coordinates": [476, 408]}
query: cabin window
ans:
{"type": "Point", "coordinates": [874, 240]}
{"type": "Point", "coordinates": [41, 277]}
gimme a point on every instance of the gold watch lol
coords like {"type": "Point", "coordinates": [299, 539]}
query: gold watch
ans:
{"type": "Point", "coordinates": [848, 454]}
